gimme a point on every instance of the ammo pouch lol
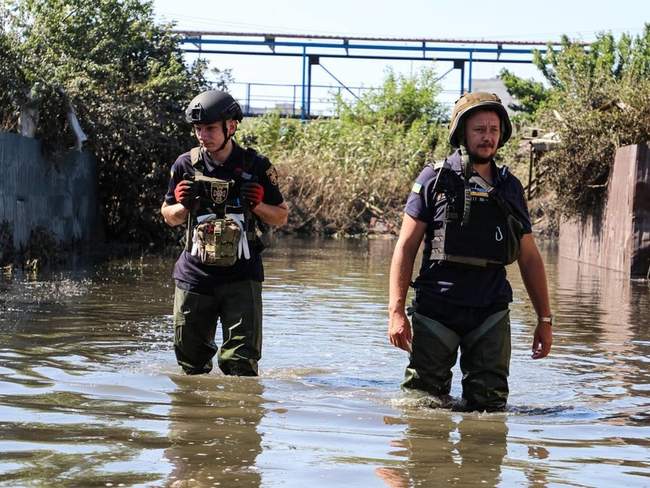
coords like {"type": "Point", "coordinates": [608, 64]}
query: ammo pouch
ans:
{"type": "Point", "coordinates": [215, 241]}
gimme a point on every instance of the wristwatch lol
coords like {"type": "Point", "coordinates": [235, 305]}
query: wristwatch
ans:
{"type": "Point", "coordinates": [548, 319]}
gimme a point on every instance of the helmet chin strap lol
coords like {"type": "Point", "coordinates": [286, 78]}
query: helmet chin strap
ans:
{"type": "Point", "coordinates": [467, 161]}
{"type": "Point", "coordinates": [226, 137]}
{"type": "Point", "coordinates": [471, 158]}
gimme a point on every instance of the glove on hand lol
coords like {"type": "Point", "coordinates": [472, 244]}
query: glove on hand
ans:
{"type": "Point", "coordinates": [253, 193]}
{"type": "Point", "coordinates": [185, 192]}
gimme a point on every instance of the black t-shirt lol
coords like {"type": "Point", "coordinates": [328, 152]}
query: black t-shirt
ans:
{"type": "Point", "coordinates": [471, 286]}
{"type": "Point", "coordinates": [189, 272]}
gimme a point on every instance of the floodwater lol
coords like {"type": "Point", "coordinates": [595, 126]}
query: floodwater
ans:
{"type": "Point", "coordinates": [90, 394]}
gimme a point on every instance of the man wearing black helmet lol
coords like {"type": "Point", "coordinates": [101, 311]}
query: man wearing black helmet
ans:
{"type": "Point", "coordinates": [225, 194]}
{"type": "Point", "coordinates": [473, 219]}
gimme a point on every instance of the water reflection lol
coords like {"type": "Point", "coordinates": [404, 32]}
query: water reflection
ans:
{"type": "Point", "coordinates": [90, 394]}
{"type": "Point", "coordinates": [603, 318]}
{"type": "Point", "coordinates": [444, 449]}
{"type": "Point", "coordinates": [213, 431]}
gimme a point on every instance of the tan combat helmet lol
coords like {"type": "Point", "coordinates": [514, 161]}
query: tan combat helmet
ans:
{"type": "Point", "coordinates": [470, 102]}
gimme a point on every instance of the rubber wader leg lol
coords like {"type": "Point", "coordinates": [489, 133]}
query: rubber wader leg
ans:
{"type": "Point", "coordinates": [485, 363]}
{"type": "Point", "coordinates": [435, 348]}
{"type": "Point", "coordinates": [241, 321]}
{"type": "Point", "coordinates": [195, 323]}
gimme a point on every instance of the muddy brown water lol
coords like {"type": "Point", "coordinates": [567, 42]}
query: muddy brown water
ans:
{"type": "Point", "coordinates": [90, 394]}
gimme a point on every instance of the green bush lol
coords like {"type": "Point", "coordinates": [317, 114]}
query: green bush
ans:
{"type": "Point", "coordinates": [600, 101]}
{"type": "Point", "coordinates": [13, 83]}
{"type": "Point", "coordinates": [343, 174]}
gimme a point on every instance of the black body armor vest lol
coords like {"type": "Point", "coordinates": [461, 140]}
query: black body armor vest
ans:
{"type": "Point", "coordinates": [221, 197]}
{"type": "Point", "coordinates": [473, 225]}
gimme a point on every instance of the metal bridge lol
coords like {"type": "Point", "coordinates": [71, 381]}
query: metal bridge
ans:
{"type": "Point", "coordinates": [461, 53]}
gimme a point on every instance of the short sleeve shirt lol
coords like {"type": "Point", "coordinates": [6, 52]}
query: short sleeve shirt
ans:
{"type": "Point", "coordinates": [189, 271]}
{"type": "Point", "coordinates": [471, 286]}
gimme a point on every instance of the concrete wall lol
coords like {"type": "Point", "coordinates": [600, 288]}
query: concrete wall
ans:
{"type": "Point", "coordinates": [61, 197]}
{"type": "Point", "coordinates": [620, 238]}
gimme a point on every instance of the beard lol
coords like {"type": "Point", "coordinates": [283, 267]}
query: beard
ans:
{"type": "Point", "coordinates": [480, 159]}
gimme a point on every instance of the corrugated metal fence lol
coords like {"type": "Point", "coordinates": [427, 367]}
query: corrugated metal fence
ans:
{"type": "Point", "coordinates": [61, 198]}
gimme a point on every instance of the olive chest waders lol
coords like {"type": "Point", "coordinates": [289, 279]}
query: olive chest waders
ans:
{"type": "Point", "coordinates": [472, 226]}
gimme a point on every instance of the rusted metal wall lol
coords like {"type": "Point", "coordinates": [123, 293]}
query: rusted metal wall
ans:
{"type": "Point", "coordinates": [620, 238]}
{"type": "Point", "coordinates": [61, 198]}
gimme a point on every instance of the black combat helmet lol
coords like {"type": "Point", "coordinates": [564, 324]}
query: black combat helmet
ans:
{"type": "Point", "coordinates": [213, 106]}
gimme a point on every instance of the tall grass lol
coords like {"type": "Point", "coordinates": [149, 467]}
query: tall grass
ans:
{"type": "Point", "coordinates": [351, 174]}
{"type": "Point", "coordinates": [340, 177]}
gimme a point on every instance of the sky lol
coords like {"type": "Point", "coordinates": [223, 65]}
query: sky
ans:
{"type": "Point", "coordinates": [507, 20]}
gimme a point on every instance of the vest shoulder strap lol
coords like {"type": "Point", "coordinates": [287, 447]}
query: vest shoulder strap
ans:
{"type": "Point", "coordinates": [195, 155]}
{"type": "Point", "coordinates": [196, 158]}
{"type": "Point", "coordinates": [250, 157]}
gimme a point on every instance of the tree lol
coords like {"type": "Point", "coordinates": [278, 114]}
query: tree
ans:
{"type": "Point", "coordinates": [126, 78]}
{"type": "Point", "coordinates": [13, 83]}
{"type": "Point", "coordinates": [530, 94]}
{"type": "Point", "coordinates": [600, 101]}
{"type": "Point", "coordinates": [401, 99]}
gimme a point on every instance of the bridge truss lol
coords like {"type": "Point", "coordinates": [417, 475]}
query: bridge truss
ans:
{"type": "Point", "coordinates": [462, 53]}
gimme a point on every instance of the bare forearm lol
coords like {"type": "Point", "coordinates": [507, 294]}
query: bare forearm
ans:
{"type": "Point", "coordinates": [534, 276]}
{"type": "Point", "coordinates": [174, 215]}
{"type": "Point", "coordinates": [276, 215]}
{"type": "Point", "coordinates": [401, 271]}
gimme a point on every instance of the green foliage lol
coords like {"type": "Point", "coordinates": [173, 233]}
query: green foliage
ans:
{"type": "Point", "coordinates": [600, 101]}
{"type": "Point", "coordinates": [13, 83]}
{"type": "Point", "coordinates": [401, 99]}
{"type": "Point", "coordinates": [342, 173]}
{"type": "Point", "coordinates": [530, 94]}
{"type": "Point", "coordinates": [588, 72]}
{"type": "Point", "coordinates": [125, 77]}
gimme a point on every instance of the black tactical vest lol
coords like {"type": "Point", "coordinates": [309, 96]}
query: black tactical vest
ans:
{"type": "Point", "coordinates": [219, 197]}
{"type": "Point", "coordinates": [472, 224]}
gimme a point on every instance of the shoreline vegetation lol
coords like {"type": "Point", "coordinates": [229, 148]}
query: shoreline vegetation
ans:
{"type": "Point", "coordinates": [348, 175]}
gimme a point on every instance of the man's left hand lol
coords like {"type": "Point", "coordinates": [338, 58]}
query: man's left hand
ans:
{"type": "Point", "coordinates": [542, 340]}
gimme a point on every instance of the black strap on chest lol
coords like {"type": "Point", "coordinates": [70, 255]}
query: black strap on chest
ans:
{"type": "Point", "coordinates": [505, 207]}
{"type": "Point", "coordinates": [466, 168]}
{"type": "Point", "coordinates": [513, 223]}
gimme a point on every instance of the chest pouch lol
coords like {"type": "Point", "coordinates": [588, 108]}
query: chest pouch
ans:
{"type": "Point", "coordinates": [481, 241]}
{"type": "Point", "coordinates": [215, 241]}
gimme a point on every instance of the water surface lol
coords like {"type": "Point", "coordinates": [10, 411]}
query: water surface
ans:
{"type": "Point", "coordinates": [90, 394]}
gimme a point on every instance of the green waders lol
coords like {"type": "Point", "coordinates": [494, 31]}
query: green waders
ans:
{"type": "Point", "coordinates": [484, 360]}
{"type": "Point", "coordinates": [238, 306]}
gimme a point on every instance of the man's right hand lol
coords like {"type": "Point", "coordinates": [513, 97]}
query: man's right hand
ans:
{"type": "Point", "coordinates": [399, 331]}
{"type": "Point", "coordinates": [185, 193]}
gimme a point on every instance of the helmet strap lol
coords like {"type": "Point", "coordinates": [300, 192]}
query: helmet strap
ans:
{"type": "Point", "coordinates": [467, 163]}
{"type": "Point", "coordinates": [226, 137]}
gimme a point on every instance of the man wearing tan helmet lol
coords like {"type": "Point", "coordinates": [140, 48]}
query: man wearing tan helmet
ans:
{"type": "Point", "coordinates": [473, 219]}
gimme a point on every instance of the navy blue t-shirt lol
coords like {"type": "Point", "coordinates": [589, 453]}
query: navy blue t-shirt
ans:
{"type": "Point", "coordinates": [189, 272]}
{"type": "Point", "coordinates": [471, 286]}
